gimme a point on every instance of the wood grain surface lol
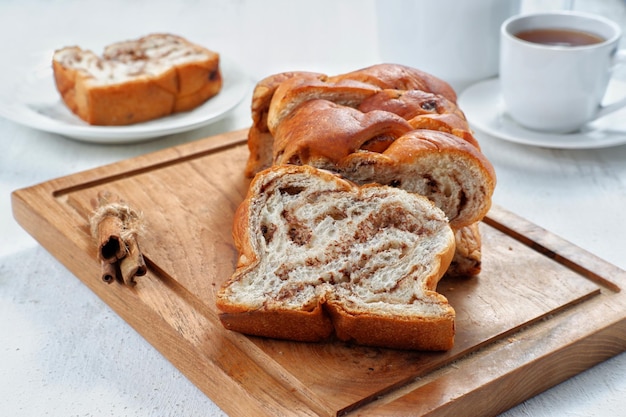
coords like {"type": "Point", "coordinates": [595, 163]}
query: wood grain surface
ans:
{"type": "Point", "coordinates": [541, 311]}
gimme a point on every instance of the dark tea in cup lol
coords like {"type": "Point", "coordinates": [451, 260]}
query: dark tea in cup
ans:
{"type": "Point", "coordinates": [559, 37]}
{"type": "Point", "coordinates": [552, 88]}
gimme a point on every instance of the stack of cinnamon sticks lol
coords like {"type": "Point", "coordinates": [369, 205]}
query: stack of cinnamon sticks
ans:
{"type": "Point", "coordinates": [115, 227]}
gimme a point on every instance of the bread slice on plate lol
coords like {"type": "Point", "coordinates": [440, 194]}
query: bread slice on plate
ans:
{"type": "Point", "coordinates": [136, 80]}
{"type": "Point", "coordinates": [321, 256]}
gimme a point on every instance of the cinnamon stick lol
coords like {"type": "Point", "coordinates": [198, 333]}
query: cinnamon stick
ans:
{"type": "Point", "coordinates": [115, 227]}
{"type": "Point", "coordinates": [110, 245]}
{"type": "Point", "coordinates": [133, 265]}
{"type": "Point", "coordinates": [109, 272]}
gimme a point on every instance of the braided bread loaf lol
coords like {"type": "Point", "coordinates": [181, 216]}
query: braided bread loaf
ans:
{"type": "Point", "coordinates": [320, 255]}
{"type": "Point", "coordinates": [388, 124]}
{"type": "Point", "coordinates": [280, 93]}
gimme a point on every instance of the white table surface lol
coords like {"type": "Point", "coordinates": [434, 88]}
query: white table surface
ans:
{"type": "Point", "coordinates": [63, 352]}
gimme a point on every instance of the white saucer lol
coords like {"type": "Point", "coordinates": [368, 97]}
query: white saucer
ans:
{"type": "Point", "coordinates": [484, 109]}
{"type": "Point", "coordinates": [34, 102]}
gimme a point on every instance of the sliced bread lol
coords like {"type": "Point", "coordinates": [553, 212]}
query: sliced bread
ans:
{"type": "Point", "coordinates": [137, 80]}
{"type": "Point", "coordinates": [321, 256]}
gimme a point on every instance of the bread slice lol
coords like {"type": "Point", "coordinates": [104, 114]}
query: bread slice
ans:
{"type": "Point", "coordinates": [137, 80]}
{"type": "Point", "coordinates": [319, 255]}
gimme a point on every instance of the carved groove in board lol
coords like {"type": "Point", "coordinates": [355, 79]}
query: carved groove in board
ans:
{"type": "Point", "coordinates": [179, 289]}
{"type": "Point", "coordinates": [142, 170]}
{"type": "Point", "coordinates": [428, 375]}
{"type": "Point", "coordinates": [554, 254]}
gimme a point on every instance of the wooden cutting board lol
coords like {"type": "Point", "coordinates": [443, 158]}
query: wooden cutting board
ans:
{"type": "Point", "coordinates": [541, 311]}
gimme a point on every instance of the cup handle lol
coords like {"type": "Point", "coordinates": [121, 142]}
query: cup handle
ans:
{"type": "Point", "coordinates": [618, 60]}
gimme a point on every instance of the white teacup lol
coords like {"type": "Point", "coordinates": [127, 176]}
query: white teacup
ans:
{"type": "Point", "coordinates": [456, 40]}
{"type": "Point", "coordinates": [558, 88]}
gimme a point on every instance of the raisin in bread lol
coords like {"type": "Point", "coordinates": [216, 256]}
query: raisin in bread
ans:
{"type": "Point", "coordinates": [320, 255]}
{"type": "Point", "coordinates": [136, 80]}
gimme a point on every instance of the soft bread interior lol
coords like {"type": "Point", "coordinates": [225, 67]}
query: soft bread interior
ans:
{"type": "Point", "coordinates": [318, 239]}
{"type": "Point", "coordinates": [453, 180]}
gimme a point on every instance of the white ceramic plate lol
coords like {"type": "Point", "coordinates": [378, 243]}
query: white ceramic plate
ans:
{"type": "Point", "coordinates": [484, 109]}
{"type": "Point", "coordinates": [33, 101]}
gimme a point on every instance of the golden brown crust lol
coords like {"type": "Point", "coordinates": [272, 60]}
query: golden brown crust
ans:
{"type": "Point", "coordinates": [436, 334]}
{"type": "Point", "coordinates": [297, 325]}
{"type": "Point", "coordinates": [449, 123]}
{"type": "Point", "coordinates": [260, 140]}
{"type": "Point", "coordinates": [118, 104]}
{"type": "Point", "coordinates": [260, 148]}
{"type": "Point", "coordinates": [277, 96]}
{"type": "Point", "coordinates": [423, 110]}
{"type": "Point", "coordinates": [297, 90]}
{"type": "Point", "coordinates": [192, 100]}
{"type": "Point", "coordinates": [65, 81]}
{"type": "Point", "coordinates": [400, 77]}
{"type": "Point", "coordinates": [137, 97]}
{"type": "Point", "coordinates": [302, 139]}
{"type": "Point", "coordinates": [408, 103]}
{"type": "Point", "coordinates": [264, 91]}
